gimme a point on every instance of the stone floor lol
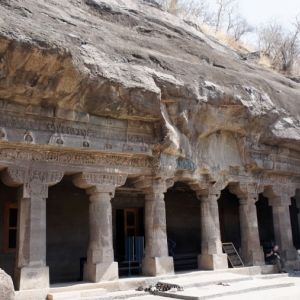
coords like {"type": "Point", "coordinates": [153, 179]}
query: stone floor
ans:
{"type": "Point", "coordinates": [236, 284]}
{"type": "Point", "coordinates": [253, 289]}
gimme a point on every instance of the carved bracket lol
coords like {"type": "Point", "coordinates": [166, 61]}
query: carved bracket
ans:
{"type": "Point", "coordinates": [246, 190]}
{"type": "Point", "coordinates": [205, 186]}
{"type": "Point", "coordinates": [99, 182]}
{"type": "Point", "coordinates": [153, 184]}
{"type": "Point", "coordinates": [279, 195]}
{"type": "Point", "coordinates": [34, 182]}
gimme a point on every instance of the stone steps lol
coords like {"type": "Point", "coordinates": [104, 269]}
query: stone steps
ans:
{"type": "Point", "coordinates": [234, 288]}
{"type": "Point", "coordinates": [210, 279]}
{"type": "Point", "coordinates": [125, 288]}
{"type": "Point", "coordinates": [77, 294]}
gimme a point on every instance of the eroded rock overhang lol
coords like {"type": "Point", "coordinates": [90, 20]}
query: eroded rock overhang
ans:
{"type": "Point", "coordinates": [125, 78]}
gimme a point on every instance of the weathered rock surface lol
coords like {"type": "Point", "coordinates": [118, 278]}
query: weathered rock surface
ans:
{"type": "Point", "coordinates": [131, 60]}
{"type": "Point", "coordinates": [7, 291]}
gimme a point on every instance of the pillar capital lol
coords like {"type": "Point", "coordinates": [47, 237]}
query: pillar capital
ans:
{"type": "Point", "coordinates": [247, 192]}
{"type": "Point", "coordinates": [206, 188]}
{"type": "Point", "coordinates": [34, 182]}
{"type": "Point", "coordinates": [279, 195]}
{"type": "Point", "coordinates": [153, 184]}
{"type": "Point", "coordinates": [99, 183]}
{"type": "Point", "coordinates": [248, 201]}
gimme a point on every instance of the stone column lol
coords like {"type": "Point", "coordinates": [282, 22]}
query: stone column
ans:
{"type": "Point", "coordinates": [31, 271]}
{"type": "Point", "coordinates": [212, 256]}
{"type": "Point", "coordinates": [279, 198]}
{"type": "Point", "coordinates": [100, 263]}
{"type": "Point", "coordinates": [252, 253]}
{"type": "Point", "coordinates": [298, 205]}
{"type": "Point", "coordinates": [157, 260]}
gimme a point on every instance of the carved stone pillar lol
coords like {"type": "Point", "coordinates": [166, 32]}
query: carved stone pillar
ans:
{"type": "Point", "coordinates": [100, 255]}
{"type": "Point", "coordinates": [212, 256]}
{"type": "Point", "coordinates": [280, 199]}
{"type": "Point", "coordinates": [251, 252]}
{"type": "Point", "coordinates": [298, 205]}
{"type": "Point", "coordinates": [156, 261]}
{"type": "Point", "coordinates": [31, 271]}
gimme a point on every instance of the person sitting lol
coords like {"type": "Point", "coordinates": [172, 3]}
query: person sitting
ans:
{"type": "Point", "coordinates": [275, 259]}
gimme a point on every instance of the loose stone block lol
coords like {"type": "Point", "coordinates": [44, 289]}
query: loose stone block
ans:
{"type": "Point", "coordinates": [7, 291]}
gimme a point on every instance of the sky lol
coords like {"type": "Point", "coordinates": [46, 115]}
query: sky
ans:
{"type": "Point", "coordinates": [260, 11]}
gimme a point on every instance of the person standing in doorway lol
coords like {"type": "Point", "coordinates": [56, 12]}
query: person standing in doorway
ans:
{"type": "Point", "coordinates": [275, 259]}
{"type": "Point", "coordinates": [171, 246]}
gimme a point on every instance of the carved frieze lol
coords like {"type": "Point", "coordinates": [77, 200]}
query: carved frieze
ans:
{"type": "Point", "coordinates": [139, 134]}
{"type": "Point", "coordinates": [76, 158]}
{"type": "Point", "coordinates": [240, 175]}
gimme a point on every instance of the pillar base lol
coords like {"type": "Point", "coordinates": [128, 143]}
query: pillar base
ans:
{"type": "Point", "coordinates": [212, 261]}
{"type": "Point", "coordinates": [29, 278]}
{"type": "Point", "coordinates": [290, 254]}
{"type": "Point", "coordinates": [291, 265]}
{"type": "Point", "coordinates": [100, 272]}
{"type": "Point", "coordinates": [254, 258]}
{"type": "Point", "coordinates": [155, 266]}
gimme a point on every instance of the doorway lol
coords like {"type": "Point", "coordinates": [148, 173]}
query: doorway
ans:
{"type": "Point", "coordinates": [129, 222]}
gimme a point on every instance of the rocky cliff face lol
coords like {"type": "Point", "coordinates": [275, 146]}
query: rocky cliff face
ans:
{"type": "Point", "coordinates": [128, 59]}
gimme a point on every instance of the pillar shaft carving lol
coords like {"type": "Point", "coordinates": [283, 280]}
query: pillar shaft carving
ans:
{"type": "Point", "coordinates": [31, 249]}
{"type": "Point", "coordinates": [155, 214]}
{"type": "Point", "coordinates": [156, 261]}
{"type": "Point", "coordinates": [100, 255]}
{"type": "Point", "coordinates": [208, 193]}
{"type": "Point", "coordinates": [251, 251]}
{"type": "Point", "coordinates": [279, 198]}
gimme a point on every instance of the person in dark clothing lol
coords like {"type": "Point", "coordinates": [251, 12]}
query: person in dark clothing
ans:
{"type": "Point", "coordinates": [171, 246]}
{"type": "Point", "coordinates": [275, 259]}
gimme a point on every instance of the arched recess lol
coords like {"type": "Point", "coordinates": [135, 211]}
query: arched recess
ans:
{"type": "Point", "coordinates": [183, 225]}
{"type": "Point", "coordinates": [67, 211]}
{"type": "Point", "coordinates": [229, 218]}
{"type": "Point", "coordinates": [265, 223]}
{"type": "Point", "coordinates": [8, 227]}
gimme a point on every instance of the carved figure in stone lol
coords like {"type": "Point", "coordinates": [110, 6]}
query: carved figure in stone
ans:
{"type": "Point", "coordinates": [86, 144]}
{"type": "Point", "coordinates": [28, 138]}
{"type": "Point", "coordinates": [59, 141]}
{"type": "Point", "coordinates": [2, 133]}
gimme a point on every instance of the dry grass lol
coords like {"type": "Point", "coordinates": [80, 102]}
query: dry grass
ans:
{"type": "Point", "coordinates": [265, 61]}
{"type": "Point", "coordinates": [225, 38]}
